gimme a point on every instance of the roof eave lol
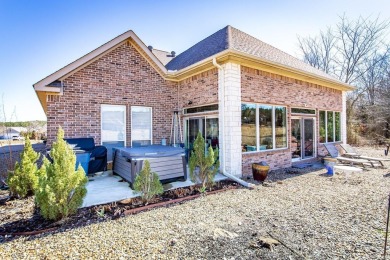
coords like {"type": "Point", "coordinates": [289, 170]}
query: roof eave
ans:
{"type": "Point", "coordinates": [300, 74]}
{"type": "Point", "coordinates": [196, 68]}
{"type": "Point", "coordinates": [258, 63]}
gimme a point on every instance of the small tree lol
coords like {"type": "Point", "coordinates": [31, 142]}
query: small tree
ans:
{"type": "Point", "coordinates": [148, 183]}
{"type": "Point", "coordinates": [207, 165]}
{"type": "Point", "coordinates": [61, 189]}
{"type": "Point", "coordinates": [23, 180]}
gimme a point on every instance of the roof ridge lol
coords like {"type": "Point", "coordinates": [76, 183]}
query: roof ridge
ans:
{"type": "Point", "coordinates": [161, 50]}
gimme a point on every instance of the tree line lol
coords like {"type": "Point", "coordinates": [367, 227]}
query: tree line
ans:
{"type": "Point", "coordinates": [26, 124]}
{"type": "Point", "coordinates": [357, 53]}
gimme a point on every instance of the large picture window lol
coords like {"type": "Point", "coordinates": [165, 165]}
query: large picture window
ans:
{"type": "Point", "coordinates": [330, 126]}
{"type": "Point", "coordinates": [113, 125]}
{"type": "Point", "coordinates": [141, 126]}
{"type": "Point", "coordinates": [263, 127]}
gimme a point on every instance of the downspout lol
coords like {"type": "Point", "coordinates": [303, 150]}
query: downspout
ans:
{"type": "Point", "coordinates": [232, 177]}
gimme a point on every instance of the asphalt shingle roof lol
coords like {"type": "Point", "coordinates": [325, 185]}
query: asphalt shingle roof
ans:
{"type": "Point", "coordinates": [234, 39]}
{"type": "Point", "coordinates": [213, 44]}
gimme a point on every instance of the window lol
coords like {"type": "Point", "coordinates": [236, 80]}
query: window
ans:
{"type": "Point", "coordinates": [280, 127]}
{"type": "Point", "coordinates": [322, 126]}
{"type": "Point", "coordinates": [303, 111]}
{"type": "Point", "coordinates": [337, 126]}
{"type": "Point", "coordinates": [330, 126]}
{"type": "Point", "coordinates": [248, 127]}
{"type": "Point", "coordinates": [201, 109]}
{"type": "Point", "coordinates": [141, 126]}
{"type": "Point", "coordinates": [113, 125]}
{"type": "Point", "coordinates": [263, 127]}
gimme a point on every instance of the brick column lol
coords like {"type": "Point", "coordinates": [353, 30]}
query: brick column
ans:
{"type": "Point", "coordinates": [229, 97]}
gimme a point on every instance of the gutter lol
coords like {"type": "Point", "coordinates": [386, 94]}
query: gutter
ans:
{"type": "Point", "coordinates": [232, 177]}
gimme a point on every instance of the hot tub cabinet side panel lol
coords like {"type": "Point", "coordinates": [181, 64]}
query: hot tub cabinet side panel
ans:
{"type": "Point", "coordinates": [166, 167]}
{"type": "Point", "coordinates": [122, 166]}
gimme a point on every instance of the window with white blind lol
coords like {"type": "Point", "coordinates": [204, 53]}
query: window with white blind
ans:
{"type": "Point", "coordinates": [113, 120]}
{"type": "Point", "coordinates": [141, 126]}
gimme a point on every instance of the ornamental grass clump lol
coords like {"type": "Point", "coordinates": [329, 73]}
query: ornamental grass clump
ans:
{"type": "Point", "coordinates": [23, 181]}
{"type": "Point", "coordinates": [203, 168]}
{"type": "Point", "coordinates": [148, 183]}
{"type": "Point", "coordinates": [61, 189]}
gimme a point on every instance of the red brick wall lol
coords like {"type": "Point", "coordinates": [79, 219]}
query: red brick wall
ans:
{"type": "Point", "coordinates": [267, 88]}
{"type": "Point", "coordinates": [275, 159]}
{"type": "Point", "coordinates": [201, 89]}
{"type": "Point", "coordinates": [121, 77]}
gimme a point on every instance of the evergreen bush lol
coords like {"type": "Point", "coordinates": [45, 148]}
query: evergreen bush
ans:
{"type": "Point", "coordinates": [148, 183]}
{"type": "Point", "coordinates": [203, 167]}
{"type": "Point", "coordinates": [24, 179]}
{"type": "Point", "coordinates": [61, 189]}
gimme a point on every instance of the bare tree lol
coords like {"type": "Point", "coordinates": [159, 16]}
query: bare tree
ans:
{"type": "Point", "coordinates": [376, 110]}
{"type": "Point", "coordinates": [359, 41]}
{"type": "Point", "coordinates": [355, 52]}
{"type": "Point", "coordinates": [375, 73]}
{"type": "Point", "coordinates": [320, 50]}
{"type": "Point", "coordinates": [6, 155]}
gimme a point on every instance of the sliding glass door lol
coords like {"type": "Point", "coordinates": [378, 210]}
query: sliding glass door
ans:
{"type": "Point", "coordinates": [302, 138]}
{"type": "Point", "coordinates": [208, 126]}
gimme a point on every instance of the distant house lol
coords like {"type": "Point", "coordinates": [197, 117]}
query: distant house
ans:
{"type": "Point", "coordinates": [11, 132]}
{"type": "Point", "coordinates": [253, 101]}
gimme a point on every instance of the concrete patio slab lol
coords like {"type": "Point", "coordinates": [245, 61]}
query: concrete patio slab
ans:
{"type": "Point", "coordinates": [106, 188]}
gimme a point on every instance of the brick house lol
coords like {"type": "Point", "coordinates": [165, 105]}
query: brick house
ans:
{"type": "Point", "coordinates": [250, 99]}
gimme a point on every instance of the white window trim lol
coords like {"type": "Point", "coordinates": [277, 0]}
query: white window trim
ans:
{"type": "Point", "coordinates": [101, 123]}
{"type": "Point", "coordinates": [273, 128]}
{"type": "Point", "coordinates": [151, 124]}
{"type": "Point", "coordinates": [334, 126]}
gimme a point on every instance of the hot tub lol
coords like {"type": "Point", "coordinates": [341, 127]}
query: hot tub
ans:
{"type": "Point", "coordinates": [167, 161]}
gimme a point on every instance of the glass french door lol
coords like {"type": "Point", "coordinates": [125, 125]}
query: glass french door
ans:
{"type": "Point", "coordinates": [302, 138]}
{"type": "Point", "coordinates": [208, 126]}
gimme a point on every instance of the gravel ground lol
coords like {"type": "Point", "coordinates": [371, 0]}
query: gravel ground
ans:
{"type": "Point", "coordinates": [314, 216]}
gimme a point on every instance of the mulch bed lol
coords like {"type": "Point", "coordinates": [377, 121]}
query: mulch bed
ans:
{"type": "Point", "coordinates": [21, 217]}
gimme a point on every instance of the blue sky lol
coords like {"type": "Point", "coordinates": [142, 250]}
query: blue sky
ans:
{"type": "Point", "coordinates": [40, 37]}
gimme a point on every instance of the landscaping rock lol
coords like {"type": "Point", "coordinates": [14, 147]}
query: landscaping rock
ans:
{"type": "Point", "coordinates": [315, 217]}
{"type": "Point", "coordinates": [268, 242]}
{"type": "Point", "coordinates": [219, 232]}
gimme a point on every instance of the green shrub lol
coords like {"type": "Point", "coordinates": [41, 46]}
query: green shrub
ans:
{"type": "Point", "coordinates": [148, 183]}
{"type": "Point", "coordinates": [207, 165]}
{"type": "Point", "coordinates": [61, 189]}
{"type": "Point", "coordinates": [24, 179]}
